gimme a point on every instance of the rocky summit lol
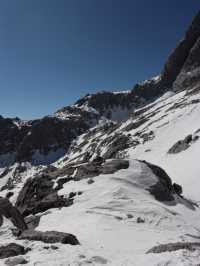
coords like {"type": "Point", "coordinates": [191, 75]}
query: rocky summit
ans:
{"type": "Point", "coordinates": [112, 179]}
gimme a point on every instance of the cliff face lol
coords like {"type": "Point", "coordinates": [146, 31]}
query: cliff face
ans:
{"type": "Point", "coordinates": [179, 57]}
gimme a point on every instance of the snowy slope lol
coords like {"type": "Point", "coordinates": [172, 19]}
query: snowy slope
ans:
{"type": "Point", "coordinates": [104, 217]}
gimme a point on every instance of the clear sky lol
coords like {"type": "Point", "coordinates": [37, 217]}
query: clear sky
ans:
{"type": "Point", "coordinates": [52, 52]}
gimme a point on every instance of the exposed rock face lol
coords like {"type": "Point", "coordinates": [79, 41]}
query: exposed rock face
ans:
{"type": "Point", "coordinates": [49, 237]}
{"type": "Point", "coordinates": [43, 140]}
{"type": "Point", "coordinates": [39, 195]}
{"type": "Point", "coordinates": [50, 135]}
{"type": "Point", "coordinates": [12, 213]}
{"type": "Point", "coordinates": [181, 57]}
{"type": "Point", "coordinates": [105, 103]}
{"type": "Point", "coordinates": [12, 250]}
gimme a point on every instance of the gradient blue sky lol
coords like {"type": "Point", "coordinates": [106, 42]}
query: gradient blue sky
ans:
{"type": "Point", "coordinates": [54, 51]}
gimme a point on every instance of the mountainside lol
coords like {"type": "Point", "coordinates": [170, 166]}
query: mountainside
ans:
{"type": "Point", "coordinates": [112, 179]}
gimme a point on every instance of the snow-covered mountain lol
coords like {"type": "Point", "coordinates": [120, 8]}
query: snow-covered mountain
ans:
{"type": "Point", "coordinates": [110, 180]}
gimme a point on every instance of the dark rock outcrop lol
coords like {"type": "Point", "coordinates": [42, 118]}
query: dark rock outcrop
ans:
{"type": "Point", "coordinates": [39, 195]}
{"type": "Point", "coordinates": [179, 59]}
{"type": "Point", "coordinates": [184, 144]}
{"type": "Point", "coordinates": [163, 190]}
{"type": "Point", "coordinates": [49, 237]}
{"type": "Point", "coordinates": [12, 250]}
{"type": "Point", "coordinates": [34, 140]}
{"type": "Point", "coordinates": [12, 213]}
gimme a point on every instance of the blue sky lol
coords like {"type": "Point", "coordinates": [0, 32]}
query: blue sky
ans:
{"type": "Point", "coordinates": [52, 52]}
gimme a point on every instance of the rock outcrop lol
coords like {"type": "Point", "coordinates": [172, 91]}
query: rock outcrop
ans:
{"type": "Point", "coordinates": [184, 144]}
{"type": "Point", "coordinates": [163, 190]}
{"type": "Point", "coordinates": [12, 213]}
{"type": "Point", "coordinates": [39, 195]}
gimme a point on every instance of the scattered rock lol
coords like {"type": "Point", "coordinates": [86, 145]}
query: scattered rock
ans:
{"type": "Point", "coordinates": [12, 250]}
{"type": "Point", "coordinates": [118, 218]}
{"type": "Point", "coordinates": [140, 220]}
{"type": "Point", "coordinates": [90, 181]}
{"type": "Point", "coordinates": [49, 237]}
{"type": "Point", "coordinates": [51, 247]}
{"type": "Point", "coordinates": [72, 195]}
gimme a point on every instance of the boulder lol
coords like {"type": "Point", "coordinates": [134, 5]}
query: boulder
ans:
{"type": "Point", "coordinates": [49, 237]}
{"type": "Point", "coordinates": [12, 250]}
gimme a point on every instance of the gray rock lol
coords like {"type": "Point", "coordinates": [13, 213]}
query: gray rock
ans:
{"type": "Point", "coordinates": [90, 181]}
{"type": "Point", "coordinates": [9, 211]}
{"type": "Point", "coordinates": [32, 221]}
{"type": "Point", "coordinates": [39, 195]}
{"type": "Point", "coordinates": [49, 237]}
{"type": "Point", "coordinates": [140, 220]}
{"type": "Point", "coordinates": [181, 145]}
{"type": "Point", "coordinates": [12, 250]}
